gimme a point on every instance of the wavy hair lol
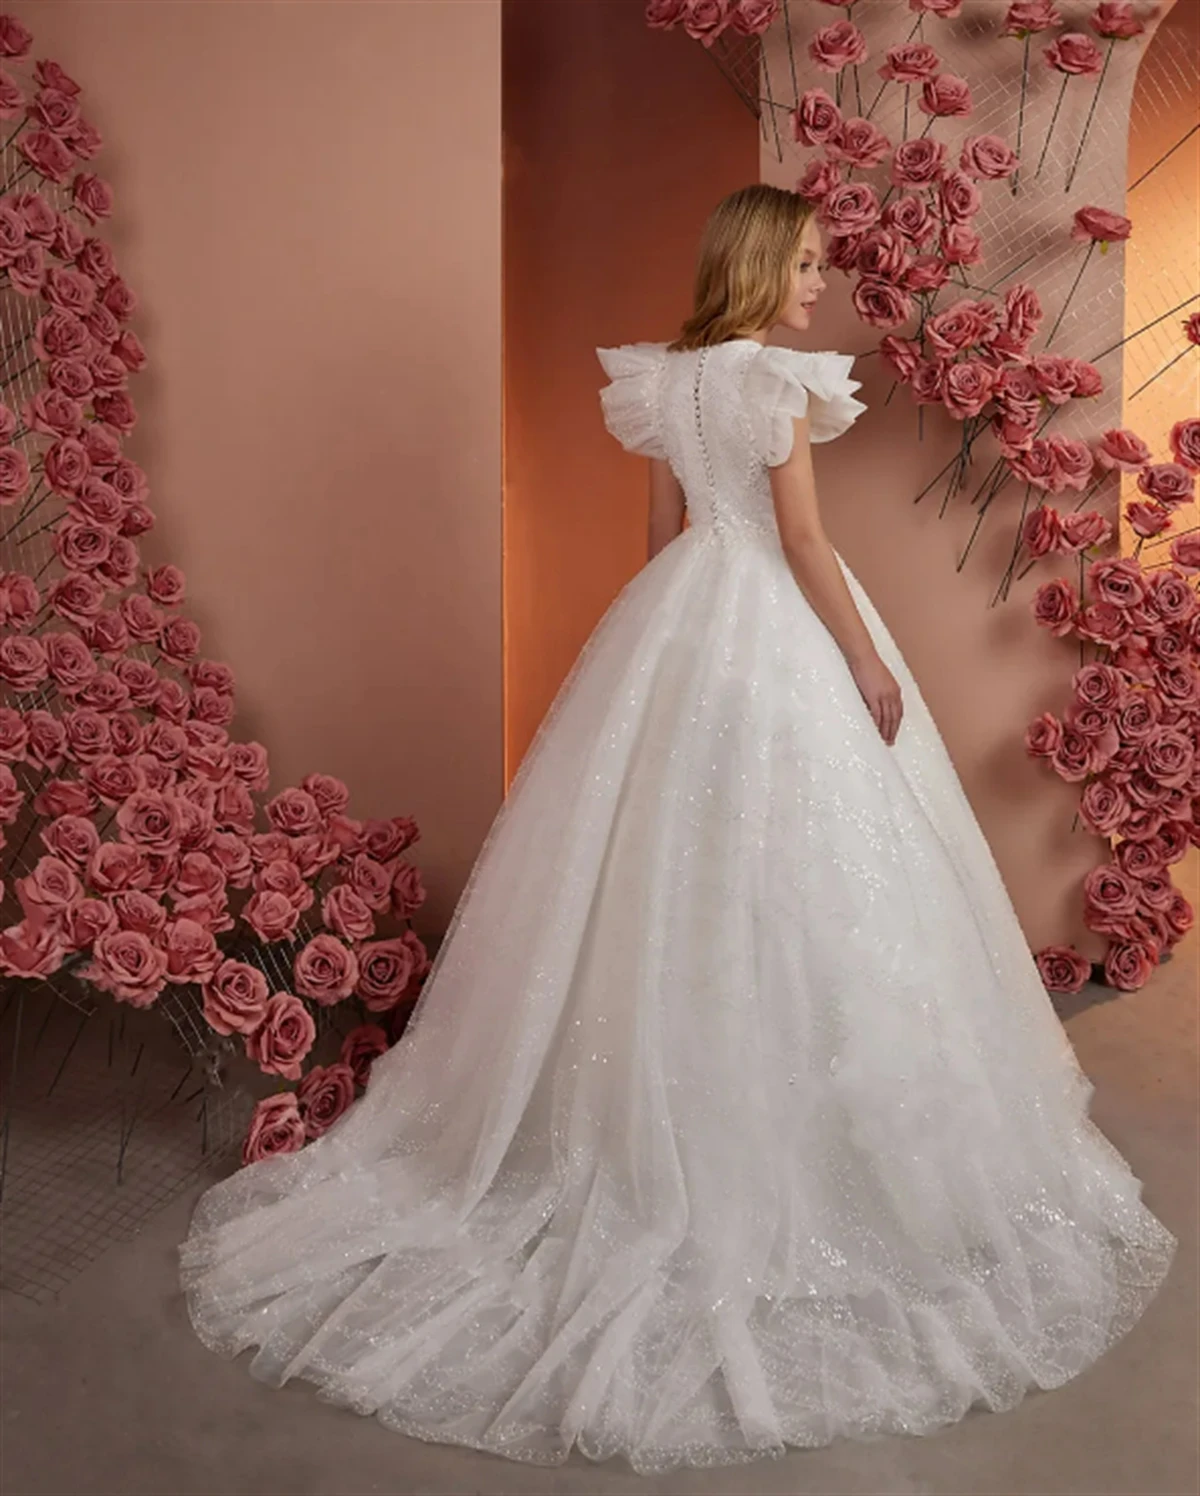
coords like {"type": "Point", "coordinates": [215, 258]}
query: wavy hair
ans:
{"type": "Point", "coordinates": [744, 264]}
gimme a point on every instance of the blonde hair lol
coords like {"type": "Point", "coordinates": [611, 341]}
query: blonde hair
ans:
{"type": "Point", "coordinates": [744, 264]}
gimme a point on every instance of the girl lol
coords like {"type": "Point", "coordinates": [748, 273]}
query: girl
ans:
{"type": "Point", "coordinates": [733, 1113]}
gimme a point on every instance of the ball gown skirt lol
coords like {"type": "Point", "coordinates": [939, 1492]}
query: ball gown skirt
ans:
{"type": "Point", "coordinates": [733, 1113]}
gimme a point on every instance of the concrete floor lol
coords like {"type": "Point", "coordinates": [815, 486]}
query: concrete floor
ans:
{"type": "Point", "coordinates": [106, 1389]}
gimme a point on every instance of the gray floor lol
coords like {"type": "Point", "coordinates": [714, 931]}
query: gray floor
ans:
{"type": "Point", "coordinates": [106, 1390]}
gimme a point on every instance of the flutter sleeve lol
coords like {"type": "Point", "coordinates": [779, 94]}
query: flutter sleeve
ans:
{"type": "Point", "coordinates": [631, 402]}
{"type": "Point", "coordinates": [781, 383]}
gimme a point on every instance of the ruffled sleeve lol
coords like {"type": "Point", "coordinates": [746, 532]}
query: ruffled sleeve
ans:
{"type": "Point", "coordinates": [784, 382]}
{"type": "Point", "coordinates": [631, 403]}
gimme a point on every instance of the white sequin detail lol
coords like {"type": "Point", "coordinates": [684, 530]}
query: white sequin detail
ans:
{"type": "Point", "coordinates": [734, 1114]}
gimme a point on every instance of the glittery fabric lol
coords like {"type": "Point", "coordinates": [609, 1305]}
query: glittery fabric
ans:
{"type": "Point", "coordinates": [734, 1114]}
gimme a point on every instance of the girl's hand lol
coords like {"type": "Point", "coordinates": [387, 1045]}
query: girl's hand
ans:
{"type": "Point", "coordinates": [881, 691]}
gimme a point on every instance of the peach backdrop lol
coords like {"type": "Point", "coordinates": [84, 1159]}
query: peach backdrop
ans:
{"type": "Point", "coordinates": [308, 205]}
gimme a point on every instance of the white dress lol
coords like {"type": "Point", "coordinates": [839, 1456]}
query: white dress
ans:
{"type": "Point", "coordinates": [734, 1113]}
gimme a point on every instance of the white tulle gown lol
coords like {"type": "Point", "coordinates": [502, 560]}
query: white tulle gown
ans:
{"type": "Point", "coordinates": [734, 1113]}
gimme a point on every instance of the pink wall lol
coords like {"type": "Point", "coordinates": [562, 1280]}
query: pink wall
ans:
{"type": "Point", "coordinates": [309, 208]}
{"type": "Point", "coordinates": [618, 140]}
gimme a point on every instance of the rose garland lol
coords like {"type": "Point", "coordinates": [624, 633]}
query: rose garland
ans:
{"type": "Point", "coordinates": [1129, 736]}
{"type": "Point", "coordinates": [155, 879]}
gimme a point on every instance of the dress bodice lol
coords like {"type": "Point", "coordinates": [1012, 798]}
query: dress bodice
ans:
{"type": "Point", "coordinates": [722, 416]}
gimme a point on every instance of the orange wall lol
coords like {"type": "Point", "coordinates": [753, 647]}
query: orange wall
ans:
{"type": "Point", "coordinates": [308, 204]}
{"type": "Point", "coordinates": [618, 141]}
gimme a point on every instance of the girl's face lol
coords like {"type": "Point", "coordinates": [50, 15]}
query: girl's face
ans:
{"type": "Point", "coordinates": [807, 281]}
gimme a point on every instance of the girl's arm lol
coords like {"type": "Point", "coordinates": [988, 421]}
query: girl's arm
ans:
{"type": "Point", "coordinates": [667, 506]}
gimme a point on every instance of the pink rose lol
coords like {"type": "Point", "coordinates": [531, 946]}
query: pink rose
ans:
{"type": "Point", "coordinates": [881, 303]}
{"type": "Point", "coordinates": [859, 142]}
{"type": "Point", "coordinates": [117, 865]}
{"type": "Point", "coordinates": [835, 46]}
{"type": "Point", "coordinates": [850, 209]}
{"type": "Point", "coordinates": [1122, 449]}
{"type": "Point", "coordinates": [910, 217]}
{"type": "Point", "coordinates": [138, 910]}
{"type": "Point", "coordinates": [323, 1095]}
{"type": "Point", "coordinates": [1115, 19]}
{"type": "Point", "coordinates": [1042, 531]}
{"type": "Point", "coordinates": [707, 19]}
{"type": "Point", "coordinates": [926, 273]}
{"type": "Point", "coordinates": [954, 329]}
{"type": "Point", "coordinates": [408, 891]}
{"type": "Point", "coordinates": [14, 475]}
{"type": "Point", "coordinates": [753, 17]}
{"type": "Point", "coordinates": [1120, 581]}
{"type": "Point", "coordinates": [947, 9]}
{"type": "Point", "coordinates": [1185, 552]}
{"type": "Point", "coordinates": [281, 875]}
{"type": "Point", "coordinates": [293, 811]}
{"type": "Point", "coordinates": [1147, 520]}
{"type": "Point", "coordinates": [883, 254]}
{"type": "Point", "coordinates": [346, 913]}
{"type": "Point", "coordinates": [1103, 807]}
{"type": "Point", "coordinates": [662, 15]}
{"type": "Point", "coordinates": [15, 40]}
{"type": "Point", "coordinates": [927, 383]}
{"type": "Point", "coordinates": [283, 1038]}
{"type": "Point", "coordinates": [22, 662]}
{"type": "Point", "coordinates": [330, 794]}
{"type": "Point", "coordinates": [127, 964]}
{"type": "Point", "coordinates": [271, 915]}
{"type": "Point", "coordinates": [19, 599]}
{"type": "Point", "coordinates": [987, 157]}
{"type": "Point", "coordinates": [1055, 605]}
{"type": "Point", "coordinates": [192, 953]}
{"type": "Point", "coordinates": [967, 388]}
{"type": "Point", "coordinates": [47, 154]}
{"type": "Point", "coordinates": [818, 179]}
{"type": "Point", "coordinates": [1168, 483]}
{"type": "Point", "coordinates": [84, 922]}
{"type": "Point", "coordinates": [917, 163]}
{"type": "Point", "coordinates": [46, 892]}
{"type": "Point", "coordinates": [1062, 968]}
{"type": "Point", "coordinates": [1035, 464]}
{"type": "Point", "coordinates": [1082, 531]}
{"type": "Point", "coordinates": [1073, 459]}
{"type": "Point", "coordinates": [1101, 225]}
{"type": "Point", "coordinates": [1185, 443]}
{"type": "Point", "coordinates": [960, 244]}
{"type": "Point", "coordinates": [30, 950]}
{"type": "Point", "coordinates": [276, 1127]}
{"type": "Point", "coordinates": [1055, 377]}
{"type": "Point", "coordinates": [903, 354]}
{"type": "Point", "coordinates": [1074, 758]}
{"type": "Point", "coordinates": [959, 197]}
{"type": "Point", "coordinates": [385, 969]}
{"type": "Point", "coordinates": [370, 880]}
{"type": "Point", "coordinates": [910, 62]}
{"type": "Point", "coordinates": [14, 736]}
{"type": "Point", "coordinates": [1075, 53]}
{"type": "Point", "coordinates": [1027, 16]}
{"type": "Point", "coordinates": [817, 119]}
{"type": "Point", "coordinates": [151, 820]}
{"type": "Point", "coordinates": [179, 640]}
{"type": "Point", "coordinates": [945, 96]}
{"type": "Point", "coordinates": [325, 969]}
{"type": "Point", "coordinates": [235, 998]}
{"type": "Point", "coordinates": [1042, 735]}
{"type": "Point", "coordinates": [361, 1047]}
{"type": "Point", "coordinates": [1128, 965]}
{"type": "Point", "coordinates": [12, 796]}
{"type": "Point", "coordinates": [1088, 380]}
{"type": "Point", "coordinates": [1173, 600]}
